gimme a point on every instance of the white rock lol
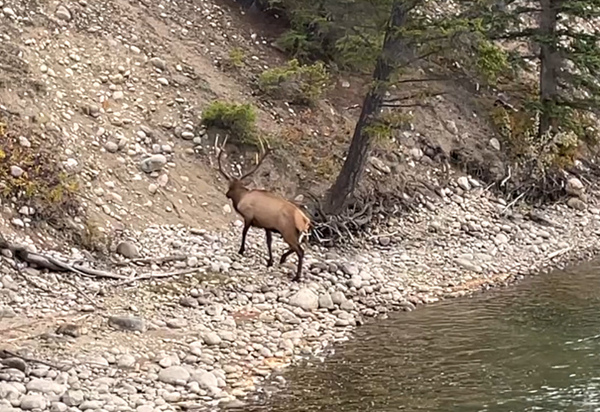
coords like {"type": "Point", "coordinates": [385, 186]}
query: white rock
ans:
{"type": "Point", "coordinates": [29, 402]}
{"type": "Point", "coordinates": [63, 13]}
{"type": "Point", "coordinates": [153, 163]}
{"type": "Point", "coordinates": [305, 299]}
{"type": "Point", "coordinates": [463, 183]}
{"type": "Point", "coordinates": [174, 375]}
{"type": "Point", "coordinates": [45, 386]}
{"type": "Point", "coordinates": [575, 187]}
{"type": "Point", "coordinates": [16, 171]}
{"type": "Point", "coordinates": [9, 12]}
{"type": "Point", "coordinates": [205, 379]}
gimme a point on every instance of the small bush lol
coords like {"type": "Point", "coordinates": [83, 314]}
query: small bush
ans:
{"type": "Point", "coordinates": [491, 61]}
{"type": "Point", "coordinates": [543, 153]}
{"type": "Point", "coordinates": [382, 128]}
{"type": "Point", "coordinates": [42, 184]}
{"type": "Point", "coordinates": [299, 84]}
{"type": "Point", "coordinates": [236, 58]}
{"type": "Point", "coordinates": [238, 119]}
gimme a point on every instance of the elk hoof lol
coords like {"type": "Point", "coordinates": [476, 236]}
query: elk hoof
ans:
{"type": "Point", "coordinates": [269, 263]}
{"type": "Point", "coordinates": [296, 278]}
{"type": "Point", "coordinates": [241, 252]}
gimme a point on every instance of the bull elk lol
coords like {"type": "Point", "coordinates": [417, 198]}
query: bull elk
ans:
{"type": "Point", "coordinates": [266, 210]}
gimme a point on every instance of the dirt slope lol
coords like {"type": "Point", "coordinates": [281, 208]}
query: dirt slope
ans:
{"type": "Point", "coordinates": [111, 83]}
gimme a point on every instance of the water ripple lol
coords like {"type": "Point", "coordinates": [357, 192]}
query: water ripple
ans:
{"type": "Point", "coordinates": [533, 347]}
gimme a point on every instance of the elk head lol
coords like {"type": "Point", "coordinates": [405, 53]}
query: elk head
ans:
{"type": "Point", "coordinates": [236, 183]}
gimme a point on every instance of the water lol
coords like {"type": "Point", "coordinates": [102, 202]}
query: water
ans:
{"type": "Point", "coordinates": [534, 346]}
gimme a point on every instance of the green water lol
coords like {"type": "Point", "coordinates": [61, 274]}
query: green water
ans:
{"type": "Point", "coordinates": [534, 346]}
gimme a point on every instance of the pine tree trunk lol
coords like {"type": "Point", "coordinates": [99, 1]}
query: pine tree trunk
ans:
{"type": "Point", "coordinates": [393, 47]}
{"type": "Point", "coordinates": [549, 65]}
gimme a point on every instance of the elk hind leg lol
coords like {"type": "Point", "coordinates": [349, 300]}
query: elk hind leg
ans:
{"type": "Point", "coordinates": [285, 256]}
{"type": "Point", "coordinates": [270, 250]}
{"type": "Point", "coordinates": [300, 254]}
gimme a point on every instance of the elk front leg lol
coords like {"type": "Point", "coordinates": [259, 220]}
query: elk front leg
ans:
{"type": "Point", "coordinates": [244, 233]}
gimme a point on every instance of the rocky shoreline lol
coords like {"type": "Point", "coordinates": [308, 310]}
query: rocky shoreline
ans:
{"type": "Point", "coordinates": [205, 328]}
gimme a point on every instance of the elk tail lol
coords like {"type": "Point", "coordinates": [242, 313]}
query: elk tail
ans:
{"type": "Point", "coordinates": [302, 225]}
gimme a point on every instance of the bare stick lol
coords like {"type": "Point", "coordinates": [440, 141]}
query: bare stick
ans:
{"type": "Point", "coordinates": [157, 276]}
{"type": "Point", "coordinates": [5, 353]}
{"type": "Point", "coordinates": [158, 261]}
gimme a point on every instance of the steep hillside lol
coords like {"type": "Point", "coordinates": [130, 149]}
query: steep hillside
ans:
{"type": "Point", "coordinates": [110, 84]}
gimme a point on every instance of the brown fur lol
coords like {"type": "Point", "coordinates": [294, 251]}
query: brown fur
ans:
{"type": "Point", "coordinates": [267, 210]}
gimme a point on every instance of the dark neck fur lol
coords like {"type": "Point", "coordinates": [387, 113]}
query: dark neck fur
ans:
{"type": "Point", "coordinates": [236, 192]}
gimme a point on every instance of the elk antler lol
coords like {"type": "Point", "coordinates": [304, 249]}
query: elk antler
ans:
{"type": "Point", "coordinates": [266, 152]}
{"type": "Point", "coordinates": [221, 151]}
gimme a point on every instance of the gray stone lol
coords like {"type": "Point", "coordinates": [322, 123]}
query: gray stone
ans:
{"type": "Point", "coordinates": [576, 203]}
{"type": "Point", "coordinates": [384, 240]}
{"type": "Point", "coordinates": [211, 338]}
{"type": "Point", "coordinates": [338, 297]}
{"type": "Point", "coordinates": [468, 265]}
{"type": "Point", "coordinates": [111, 147]}
{"type": "Point", "coordinates": [158, 63]}
{"type": "Point", "coordinates": [9, 12]}
{"type": "Point", "coordinates": [379, 165]}
{"type": "Point", "coordinates": [128, 250]}
{"type": "Point", "coordinates": [347, 305]}
{"type": "Point", "coordinates": [63, 13]}
{"type": "Point", "coordinates": [8, 391]}
{"type": "Point", "coordinates": [91, 404]}
{"type": "Point", "coordinates": [58, 407]}
{"type": "Point", "coordinates": [14, 363]}
{"type": "Point", "coordinates": [45, 386]}
{"type": "Point", "coordinates": [126, 361]}
{"type": "Point", "coordinates": [305, 299]}
{"type": "Point", "coordinates": [177, 323]}
{"type": "Point", "coordinates": [174, 375]}
{"type": "Point", "coordinates": [188, 302]}
{"type": "Point", "coordinates": [125, 322]}
{"type": "Point", "coordinates": [495, 143]}
{"type": "Point", "coordinates": [23, 141]}
{"type": "Point", "coordinates": [463, 183]}
{"type": "Point", "coordinates": [325, 301]}
{"type": "Point", "coordinates": [29, 402]}
{"type": "Point", "coordinates": [574, 187]}
{"type": "Point", "coordinates": [16, 171]}
{"type": "Point", "coordinates": [205, 379]}
{"type": "Point", "coordinates": [350, 269]}
{"type": "Point", "coordinates": [153, 163]}
{"type": "Point", "coordinates": [73, 397]}
{"type": "Point", "coordinates": [416, 153]}
{"type": "Point", "coordinates": [500, 239]}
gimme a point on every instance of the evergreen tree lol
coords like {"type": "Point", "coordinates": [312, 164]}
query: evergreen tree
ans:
{"type": "Point", "coordinates": [563, 38]}
{"type": "Point", "coordinates": [394, 52]}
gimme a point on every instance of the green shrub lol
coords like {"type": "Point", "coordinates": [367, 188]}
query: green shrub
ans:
{"type": "Point", "coordinates": [236, 57]}
{"type": "Point", "coordinates": [238, 119]}
{"type": "Point", "coordinates": [42, 183]}
{"type": "Point", "coordinates": [296, 83]}
{"type": "Point", "coordinates": [491, 61]}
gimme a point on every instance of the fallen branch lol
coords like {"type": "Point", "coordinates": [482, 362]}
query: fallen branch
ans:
{"type": "Point", "coordinates": [158, 260]}
{"type": "Point", "coordinates": [157, 276]}
{"type": "Point", "coordinates": [5, 353]}
{"type": "Point", "coordinates": [52, 264]}
{"type": "Point", "coordinates": [559, 252]}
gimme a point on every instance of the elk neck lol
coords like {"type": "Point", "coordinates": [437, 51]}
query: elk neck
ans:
{"type": "Point", "coordinates": [236, 191]}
